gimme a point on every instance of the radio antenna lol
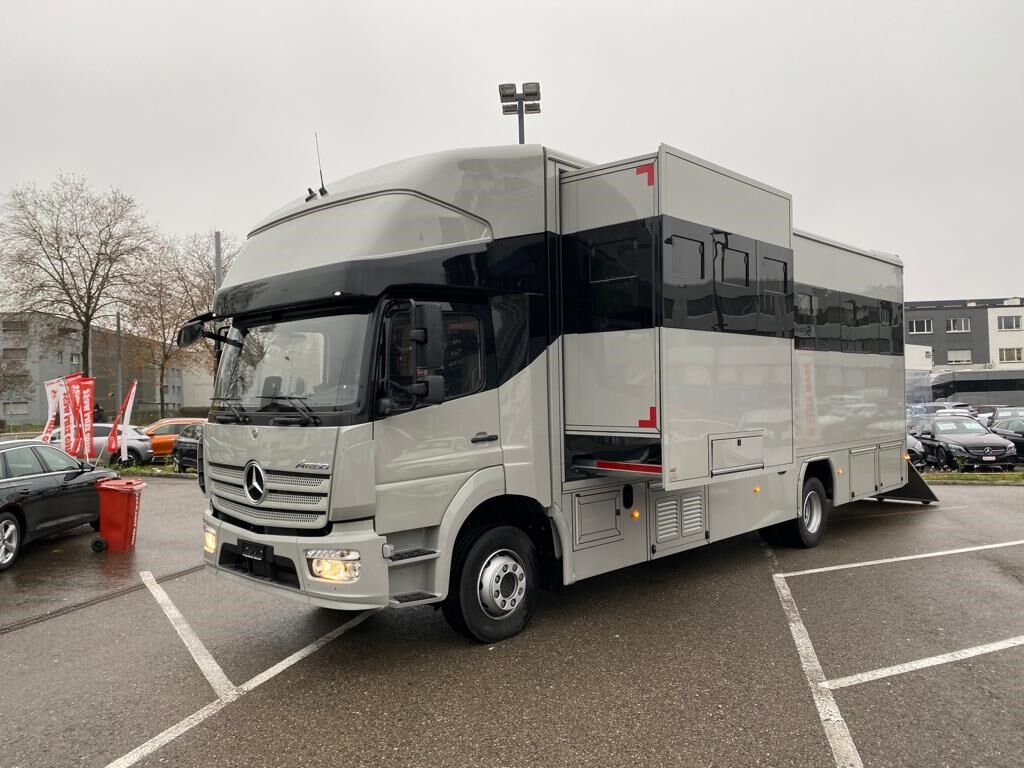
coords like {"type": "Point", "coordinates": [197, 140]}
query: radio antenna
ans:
{"type": "Point", "coordinates": [323, 189]}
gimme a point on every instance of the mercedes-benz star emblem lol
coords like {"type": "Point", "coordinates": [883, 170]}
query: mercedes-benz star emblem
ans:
{"type": "Point", "coordinates": [988, 451]}
{"type": "Point", "coordinates": [254, 482]}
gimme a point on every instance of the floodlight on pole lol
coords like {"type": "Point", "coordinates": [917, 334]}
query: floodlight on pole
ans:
{"type": "Point", "coordinates": [513, 103]}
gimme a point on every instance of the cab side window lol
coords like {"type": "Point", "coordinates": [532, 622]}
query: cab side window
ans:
{"type": "Point", "coordinates": [463, 368]}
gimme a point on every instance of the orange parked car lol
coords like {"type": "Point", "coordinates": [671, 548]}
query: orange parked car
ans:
{"type": "Point", "coordinates": [164, 433]}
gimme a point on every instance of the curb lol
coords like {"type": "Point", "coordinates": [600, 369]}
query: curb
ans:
{"type": "Point", "coordinates": [988, 483]}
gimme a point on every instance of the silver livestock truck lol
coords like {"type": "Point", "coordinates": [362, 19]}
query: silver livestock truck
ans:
{"type": "Point", "coordinates": [464, 377]}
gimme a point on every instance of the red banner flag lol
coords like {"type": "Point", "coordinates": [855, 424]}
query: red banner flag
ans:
{"type": "Point", "coordinates": [123, 416]}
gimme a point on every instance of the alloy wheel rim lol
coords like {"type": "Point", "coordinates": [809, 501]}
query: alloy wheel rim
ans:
{"type": "Point", "coordinates": [501, 584]}
{"type": "Point", "coordinates": [810, 512]}
{"type": "Point", "coordinates": [8, 541]}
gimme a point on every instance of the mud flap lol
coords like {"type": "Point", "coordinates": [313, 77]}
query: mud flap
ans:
{"type": "Point", "coordinates": [916, 489]}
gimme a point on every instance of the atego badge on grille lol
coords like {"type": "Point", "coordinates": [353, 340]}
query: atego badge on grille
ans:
{"type": "Point", "coordinates": [254, 482]}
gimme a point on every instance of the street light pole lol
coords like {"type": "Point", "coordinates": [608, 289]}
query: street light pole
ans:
{"type": "Point", "coordinates": [519, 103]}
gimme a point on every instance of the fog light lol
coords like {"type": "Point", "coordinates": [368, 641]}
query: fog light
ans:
{"type": "Point", "coordinates": [209, 539]}
{"type": "Point", "coordinates": [333, 564]}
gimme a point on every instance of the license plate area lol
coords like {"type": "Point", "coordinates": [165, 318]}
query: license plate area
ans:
{"type": "Point", "coordinates": [252, 551]}
{"type": "Point", "coordinates": [988, 458]}
{"type": "Point", "coordinates": [256, 559]}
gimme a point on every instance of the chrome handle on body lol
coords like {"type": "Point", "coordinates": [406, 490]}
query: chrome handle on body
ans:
{"type": "Point", "coordinates": [483, 437]}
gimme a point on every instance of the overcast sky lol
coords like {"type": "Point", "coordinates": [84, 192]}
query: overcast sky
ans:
{"type": "Point", "coordinates": [895, 125]}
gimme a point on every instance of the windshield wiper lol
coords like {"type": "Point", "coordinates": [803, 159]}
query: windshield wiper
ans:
{"type": "Point", "coordinates": [237, 410]}
{"type": "Point", "coordinates": [298, 403]}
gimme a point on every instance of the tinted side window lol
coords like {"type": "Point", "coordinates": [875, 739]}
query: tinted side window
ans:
{"type": "Point", "coordinates": [101, 431]}
{"type": "Point", "coordinates": [463, 368]}
{"type": "Point", "coordinates": [805, 316]}
{"type": "Point", "coordinates": [22, 462]}
{"type": "Point", "coordinates": [608, 278]}
{"type": "Point", "coordinates": [3, 467]}
{"type": "Point", "coordinates": [56, 461]}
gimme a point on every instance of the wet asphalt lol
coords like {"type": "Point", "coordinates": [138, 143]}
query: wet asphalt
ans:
{"type": "Point", "coordinates": [686, 661]}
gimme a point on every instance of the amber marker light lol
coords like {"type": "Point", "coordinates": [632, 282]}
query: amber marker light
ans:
{"type": "Point", "coordinates": [635, 514]}
{"type": "Point", "coordinates": [906, 457]}
{"type": "Point", "coordinates": [757, 489]}
{"type": "Point", "coordinates": [839, 471]}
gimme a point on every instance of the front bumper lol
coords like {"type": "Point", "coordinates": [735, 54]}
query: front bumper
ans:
{"type": "Point", "coordinates": [370, 590]}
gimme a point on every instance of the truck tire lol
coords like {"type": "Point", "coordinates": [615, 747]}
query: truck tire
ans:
{"type": "Point", "coordinates": [809, 527]}
{"type": "Point", "coordinates": [493, 588]}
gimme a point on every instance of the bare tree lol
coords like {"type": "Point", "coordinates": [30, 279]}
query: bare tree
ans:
{"type": "Point", "coordinates": [195, 273]}
{"type": "Point", "coordinates": [155, 309]}
{"type": "Point", "coordinates": [71, 250]}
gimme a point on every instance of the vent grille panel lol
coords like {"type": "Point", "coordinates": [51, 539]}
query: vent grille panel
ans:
{"type": "Point", "coordinates": [693, 515]}
{"type": "Point", "coordinates": [667, 519]}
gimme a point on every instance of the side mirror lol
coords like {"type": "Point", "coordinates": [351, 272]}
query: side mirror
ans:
{"type": "Point", "coordinates": [428, 335]}
{"type": "Point", "coordinates": [927, 434]}
{"type": "Point", "coordinates": [430, 389]}
{"type": "Point", "coordinates": [85, 466]}
{"type": "Point", "coordinates": [190, 333]}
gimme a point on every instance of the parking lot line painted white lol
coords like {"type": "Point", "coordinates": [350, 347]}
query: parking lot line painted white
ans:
{"type": "Point", "coordinates": [844, 751]}
{"type": "Point", "coordinates": [931, 661]}
{"type": "Point", "coordinates": [190, 722]}
{"type": "Point", "coordinates": [922, 556]}
{"type": "Point", "coordinates": [207, 664]}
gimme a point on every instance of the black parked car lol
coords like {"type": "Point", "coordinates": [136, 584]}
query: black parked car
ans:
{"type": "Point", "coordinates": [185, 452]}
{"type": "Point", "coordinates": [42, 491]}
{"type": "Point", "coordinates": [1012, 430]}
{"type": "Point", "coordinates": [960, 441]}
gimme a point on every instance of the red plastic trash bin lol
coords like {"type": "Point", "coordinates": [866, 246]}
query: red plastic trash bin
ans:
{"type": "Point", "coordinates": [119, 513]}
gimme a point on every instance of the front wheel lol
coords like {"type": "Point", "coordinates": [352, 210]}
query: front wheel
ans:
{"type": "Point", "coordinates": [493, 588]}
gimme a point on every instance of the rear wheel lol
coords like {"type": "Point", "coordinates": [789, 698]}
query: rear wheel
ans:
{"type": "Point", "coordinates": [809, 527]}
{"type": "Point", "coordinates": [10, 539]}
{"type": "Point", "coordinates": [133, 460]}
{"type": "Point", "coordinates": [493, 588]}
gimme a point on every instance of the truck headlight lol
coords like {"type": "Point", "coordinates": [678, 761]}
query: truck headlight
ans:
{"type": "Point", "coordinates": [209, 539]}
{"type": "Point", "coordinates": [333, 564]}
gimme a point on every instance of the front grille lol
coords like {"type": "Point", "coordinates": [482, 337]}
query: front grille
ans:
{"type": "Point", "coordinates": [991, 452]}
{"type": "Point", "coordinates": [268, 515]}
{"type": "Point", "coordinates": [292, 499]}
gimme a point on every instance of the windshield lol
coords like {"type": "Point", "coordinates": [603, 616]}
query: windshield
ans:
{"type": "Point", "coordinates": [960, 425]}
{"type": "Point", "coordinates": [317, 362]}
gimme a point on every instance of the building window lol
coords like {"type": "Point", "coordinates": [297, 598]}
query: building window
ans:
{"type": "Point", "coordinates": [60, 357]}
{"type": "Point", "coordinates": [1009, 322]}
{"type": "Point", "coordinates": [15, 353]}
{"type": "Point", "coordinates": [920, 327]}
{"type": "Point", "coordinates": [76, 358]}
{"type": "Point", "coordinates": [776, 276]}
{"type": "Point", "coordinates": [1010, 355]}
{"type": "Point", "coordinates": [16, 326]}
{"type": "Point", "coordinates": [958, 325]}
{"type": "Point", "coordinates": [958, 356]}
{"type": "Point", "coordinates": [21, 409]}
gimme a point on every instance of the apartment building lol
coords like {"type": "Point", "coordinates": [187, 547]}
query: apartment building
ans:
{"type": "Point", "coordinates": [44, 347]}
{"type": "Point", "coordinates": [979, 334]}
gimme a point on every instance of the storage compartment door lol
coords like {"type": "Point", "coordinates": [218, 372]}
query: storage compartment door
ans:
{"type": "Point", "coordinates": [891, 472]}
{"type": "Point", "coordinates": [863, 467]}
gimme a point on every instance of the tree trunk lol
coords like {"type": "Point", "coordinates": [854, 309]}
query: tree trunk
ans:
{"type": "Point", "coordinates": [86, 339]}
{"type": "Point", "coordinates": [163, 369]}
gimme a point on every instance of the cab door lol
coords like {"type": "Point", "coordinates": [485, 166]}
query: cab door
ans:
{"type": "Point", "coordinates": [424, 453]}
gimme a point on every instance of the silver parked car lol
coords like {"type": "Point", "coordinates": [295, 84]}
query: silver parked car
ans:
{"type": "Point", "coordinates": [140, 445]}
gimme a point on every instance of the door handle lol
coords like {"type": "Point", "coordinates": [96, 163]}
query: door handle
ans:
{"type": "Point", "coordinates": [23, 492]}
{"type": "Point", "coordinates": [483, 437]}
